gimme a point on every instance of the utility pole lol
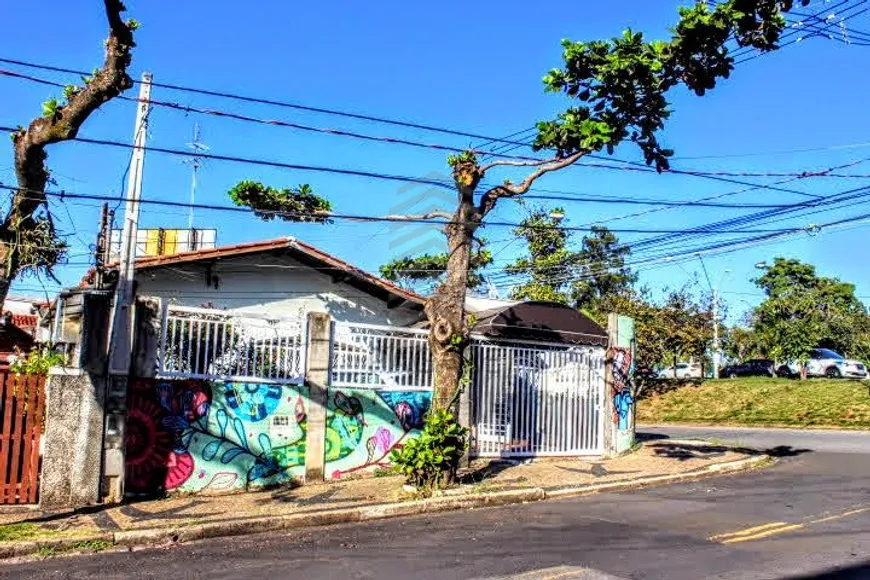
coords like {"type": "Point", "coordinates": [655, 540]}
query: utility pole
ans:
{"type": "Point", "coordinates": [715, 333]}
{"type": "Point", "coordinates": [121, 344]}
{"type": "Point", "coordinates": [715, 318]}
{"type": "Point", "coordinates": [100, 249]}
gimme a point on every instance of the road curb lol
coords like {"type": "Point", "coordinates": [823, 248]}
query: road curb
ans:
{"type": "Point", "coordinates": [187, 533]}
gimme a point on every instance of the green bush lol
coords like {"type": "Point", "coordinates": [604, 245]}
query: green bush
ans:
{"type": "Point", "coordinates": [430, 461]}
{"type": "Point", "coordinates": [37, 361]}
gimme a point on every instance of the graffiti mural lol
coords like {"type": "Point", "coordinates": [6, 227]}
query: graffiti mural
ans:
{"type": "Point", "coordinates": [622, 369]}
{"type": "Point", "coordinates": [363, 426]}
{"type": "Point", "coordinates": [621, 388]}
{"type": "Point", "coordinates": [213, 436]}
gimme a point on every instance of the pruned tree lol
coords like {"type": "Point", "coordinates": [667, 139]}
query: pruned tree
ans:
{"type": "Point", "coordinates": [426, 271]}
{"type": "Point", "coordinates": [620, 87]}
{"type": "Point", "coordinates": [28, 240]}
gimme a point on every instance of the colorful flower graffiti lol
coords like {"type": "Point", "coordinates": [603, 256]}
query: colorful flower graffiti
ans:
{"type": "Point", "coordinates": [216, 436]}
{"type": "Point", "coordinates": [365, 425]}
{"type": "Point", "coordinates": [213, 436]}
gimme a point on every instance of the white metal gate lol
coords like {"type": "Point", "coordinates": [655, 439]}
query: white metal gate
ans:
{"type": "Point", "coordinates": [537, 399]}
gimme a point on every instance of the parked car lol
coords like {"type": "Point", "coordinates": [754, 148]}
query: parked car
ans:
{"type": "Point", "coordinates": [826, 363]}
{"type": "Point", "coordinates": [681, 371]}
{"type": "Point", "coordinates": [645, 373]}
{"type": "Point", "coordinates": [757, 367]}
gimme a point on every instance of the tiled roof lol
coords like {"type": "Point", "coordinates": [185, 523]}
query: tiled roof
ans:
{"type": "Point", "coordinates": [25, 321]}
{"type": "Point", "coordinates": [301, 250]}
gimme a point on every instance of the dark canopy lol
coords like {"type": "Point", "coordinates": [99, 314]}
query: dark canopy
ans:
{"type": "Point", "coordinates": [547, 321]}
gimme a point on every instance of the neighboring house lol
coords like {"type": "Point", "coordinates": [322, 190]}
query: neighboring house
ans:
{"type": "Point", "coordinates": [12, 338]}
{"type": "Point", "coordinates": [18, 326]}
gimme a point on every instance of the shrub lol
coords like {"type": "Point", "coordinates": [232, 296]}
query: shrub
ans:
{"type": "Point", "coordinates": [36, 362]}
{"type": "Point", "coordinates": [431, 461]}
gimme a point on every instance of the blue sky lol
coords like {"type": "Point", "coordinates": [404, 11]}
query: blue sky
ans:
{"type": "Point", "coordinates": [469, 66]}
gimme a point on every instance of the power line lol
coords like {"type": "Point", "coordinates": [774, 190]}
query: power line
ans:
{"type": "Point", "coordinates": [63, 195]}
{"type": "Point", "coordinates": [398, 141]}
{"type": "Point", "coordinates": [273, 102]}
{"type": "Point", "coordinates": [632, 166]}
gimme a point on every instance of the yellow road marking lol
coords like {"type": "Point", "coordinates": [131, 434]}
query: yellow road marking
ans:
{"type": "Point", "coordinates": [766, 534]}
{"type": "Point", "coordinates": [839, 516]}
{"type": "Point", "coordinates": [560, 575]}
{"type": "Point", "coordinates": [552, 573]}
{"type": "Point", "coordinates": [747, 531]}
{"type": "Point", "coordinates": [773, 528]}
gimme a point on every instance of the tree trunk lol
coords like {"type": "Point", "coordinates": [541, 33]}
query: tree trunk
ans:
{"type": "Point", "coordinates": [446, 313]}
{"type": "Point", "coordinates": [445, 310]}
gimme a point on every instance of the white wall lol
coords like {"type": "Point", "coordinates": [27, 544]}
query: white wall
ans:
{"type": "Point", "coordinates": [277, 286]}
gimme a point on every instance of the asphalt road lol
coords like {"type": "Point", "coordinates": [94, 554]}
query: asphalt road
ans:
{"type": "Point", "coordinates": [815, 439]}
{"type": "Point", "coordinates": [806, 517]}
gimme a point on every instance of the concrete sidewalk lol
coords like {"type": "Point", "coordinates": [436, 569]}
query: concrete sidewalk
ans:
{"type": "Point", "coordinates": [487, 483]}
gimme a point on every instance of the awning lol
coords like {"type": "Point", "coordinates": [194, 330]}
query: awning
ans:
{"type": "Point", "coordinates": [545, 321]}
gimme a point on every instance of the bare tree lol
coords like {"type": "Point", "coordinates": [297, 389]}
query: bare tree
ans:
{"type": "Point", "coordinates": [28, 240]}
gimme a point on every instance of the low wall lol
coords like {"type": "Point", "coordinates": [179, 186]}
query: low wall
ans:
{"type": "Point", "coordinates": [212, 436]}
{"type": "Point", "coordinates": [363, 426]}
{"type": "Point", "coordinates": [197, 435]}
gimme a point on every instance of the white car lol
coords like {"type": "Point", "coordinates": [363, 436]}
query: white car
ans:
{"type": "Point", "coordinates": [681, 371]}
{"type": "Point", "coordinates": [824, 362]}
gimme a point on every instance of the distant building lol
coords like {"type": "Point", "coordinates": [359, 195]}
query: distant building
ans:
{"type": "Point", "coordinates": [165, 241]}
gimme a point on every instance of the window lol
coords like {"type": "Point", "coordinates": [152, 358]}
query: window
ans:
{"type": "Point", "coordinates": [826, 353]}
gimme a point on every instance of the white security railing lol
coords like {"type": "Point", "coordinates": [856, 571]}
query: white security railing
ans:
{"type": "Point", "coordinates": [543, 399]}
{"type": "Point", "coordinates": [383, 357]}
{"type": "Point", "coordinates": [206, 343]}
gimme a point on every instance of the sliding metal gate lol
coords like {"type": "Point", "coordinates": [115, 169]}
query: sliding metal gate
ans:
{"type": "Point", "coordinates": [537, 399]}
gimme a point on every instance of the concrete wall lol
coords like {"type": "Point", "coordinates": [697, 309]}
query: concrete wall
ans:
{"type": "Point", "coordinates": [364, 426]}
{"type": "Point", "coordinates": [73, 452]}
{"type": "Point", "coordinates": [213, 436]}
{"type": "Point", "coordinates": [268, 284]}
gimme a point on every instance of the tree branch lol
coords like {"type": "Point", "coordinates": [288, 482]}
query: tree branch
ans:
{"type": "Point", "coordinates": [489, 199]}
{"type": "Point", "coordinates": [107, 83]}
{"type": "Point", "coordinates": [425, 216]}
{"type": "Point", "coordinates": [529, 163]}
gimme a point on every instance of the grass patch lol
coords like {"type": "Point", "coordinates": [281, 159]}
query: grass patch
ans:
{"type": "Point", "coordinates": [763, 401]}
{"type": "Point", "coordinates": [92, 545]}
{"type": "Point", "coordinates": [20, 531]}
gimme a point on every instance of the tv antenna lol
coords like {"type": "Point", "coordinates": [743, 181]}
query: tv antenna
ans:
{"type": "Point", "coordinates": [198, 147]}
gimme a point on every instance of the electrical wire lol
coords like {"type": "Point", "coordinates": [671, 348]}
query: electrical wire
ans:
{"type": "Point", "coordinates": [629, 165]}
{"type": "Point", "coordinates": [351, 217]}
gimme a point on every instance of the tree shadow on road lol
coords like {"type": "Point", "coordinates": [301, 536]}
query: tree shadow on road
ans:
{"type": "Point", "coordinates": [686, 451]}
{"type": "Point", "coordinates": [854, 572]}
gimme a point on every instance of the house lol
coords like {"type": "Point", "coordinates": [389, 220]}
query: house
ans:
{"type": "Point", "coordinates": [225, 403]}
{"type": "Point", "coordinates": [284, 277]}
